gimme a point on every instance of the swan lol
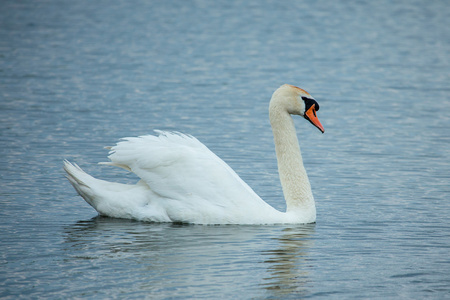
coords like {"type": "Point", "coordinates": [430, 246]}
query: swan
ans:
{"type": "Point", "coordinates": [182, 181]}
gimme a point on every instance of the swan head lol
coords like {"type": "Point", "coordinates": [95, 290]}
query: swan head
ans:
{"type": "Point", "coordinates": [297, 101]}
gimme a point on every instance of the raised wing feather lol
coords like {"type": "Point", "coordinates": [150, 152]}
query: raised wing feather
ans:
{"type": "Point", "coordinates": [179, 167]}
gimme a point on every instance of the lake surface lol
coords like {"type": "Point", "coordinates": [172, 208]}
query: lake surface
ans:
{"type": "Point", "coordinates": [76, 76]}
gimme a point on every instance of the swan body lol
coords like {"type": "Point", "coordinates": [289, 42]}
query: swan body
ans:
{"type": "Point", "coordinates": [181, 180]}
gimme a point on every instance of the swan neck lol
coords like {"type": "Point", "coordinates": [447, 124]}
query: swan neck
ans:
{"type": "Point", "coordinates": [294, 179]}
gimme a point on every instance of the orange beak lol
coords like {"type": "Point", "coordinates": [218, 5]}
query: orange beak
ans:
{"type": "Point", "coordinates": [310, 115]}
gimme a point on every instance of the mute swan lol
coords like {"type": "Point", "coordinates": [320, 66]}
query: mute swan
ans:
{"type": "Point", "coordinates": [183, 181]}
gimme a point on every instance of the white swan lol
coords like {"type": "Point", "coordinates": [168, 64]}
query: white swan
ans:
{"type": "Point", "coordinates": [183, 181]}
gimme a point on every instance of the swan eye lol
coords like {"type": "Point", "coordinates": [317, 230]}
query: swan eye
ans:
{"type": "Point", "coordinates": [309, 102]}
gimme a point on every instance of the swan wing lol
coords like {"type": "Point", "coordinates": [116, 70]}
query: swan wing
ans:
{"type": "Point", "coordinates": [188, 179]}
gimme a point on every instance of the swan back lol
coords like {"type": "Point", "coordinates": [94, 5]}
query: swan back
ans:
{"type": "Point", "coordinates": [188, 179]}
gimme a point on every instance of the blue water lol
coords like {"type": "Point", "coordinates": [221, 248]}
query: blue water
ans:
{"type": "Point", "coordinates": [76, 76]}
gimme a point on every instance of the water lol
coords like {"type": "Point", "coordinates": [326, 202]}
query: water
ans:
{"type": "Point", "coordinates": [76, 76]}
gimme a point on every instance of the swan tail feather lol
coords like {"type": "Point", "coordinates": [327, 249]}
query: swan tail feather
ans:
{"type": "Point", "coordinates": [81, 181]}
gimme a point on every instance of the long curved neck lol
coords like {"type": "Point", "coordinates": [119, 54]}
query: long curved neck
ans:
{"type": "Point", "coordinates": [294, 180]}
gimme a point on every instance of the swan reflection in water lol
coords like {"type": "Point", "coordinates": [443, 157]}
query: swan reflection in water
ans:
{"type": "Point", "coordinates": [288, 264]}
{"type": "Point", "coordinates": [175, 257]}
